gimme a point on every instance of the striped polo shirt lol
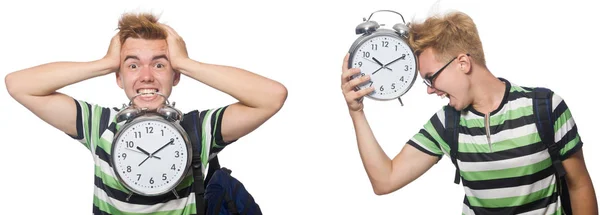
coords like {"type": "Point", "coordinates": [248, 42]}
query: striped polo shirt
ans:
{"type": "Point", "coordinates": [506, 169]}
{"type": "Point", "coordinates": [96, 127]}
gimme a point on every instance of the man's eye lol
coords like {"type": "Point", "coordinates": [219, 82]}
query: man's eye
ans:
{"type": "Point", "coordinates": [133, 66]}
{"type": "Point", "coordinates": [160, 65]}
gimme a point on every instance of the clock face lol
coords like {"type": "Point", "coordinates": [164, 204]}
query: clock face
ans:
{"type": "Point", "coordinates": [150, 156]}
{"type": "Point", "coordinates": [390, 63]}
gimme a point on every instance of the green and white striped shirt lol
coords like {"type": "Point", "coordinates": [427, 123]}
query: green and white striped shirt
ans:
{"type": "Point", "coordinates": [513, 172]}
{"type": "Point", "coordinates": [96, 127]}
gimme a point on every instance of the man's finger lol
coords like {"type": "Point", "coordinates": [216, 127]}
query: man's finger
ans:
{"type": "Point", "coordinates": [345, 64]}
{"type": "Point", "coordinates": [349, 73]}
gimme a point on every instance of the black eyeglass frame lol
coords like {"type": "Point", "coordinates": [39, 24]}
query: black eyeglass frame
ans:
{"type": "Point", "coordinates": [428, 80]}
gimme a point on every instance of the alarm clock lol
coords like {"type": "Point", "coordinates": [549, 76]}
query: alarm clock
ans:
{"type": "Point", "coordinates": [151, 153]}
{"type": "Point", "coordinates": [385, 55]}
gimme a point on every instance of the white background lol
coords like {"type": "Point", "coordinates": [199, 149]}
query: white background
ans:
{"type": "Point", "coordinates": [305, 159]}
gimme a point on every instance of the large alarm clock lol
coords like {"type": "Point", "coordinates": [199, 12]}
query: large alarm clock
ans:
{"type": "Point", "coordinates": [385, 55]}
{"type": "Point", "coordinates": [151, 153]}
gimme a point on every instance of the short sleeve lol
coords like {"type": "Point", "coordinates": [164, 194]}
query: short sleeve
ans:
{"type": "Point", "coordinates": [92, 120]}
{"type": "Point", "coordinates": [565, 129]}
{"type": "Point", "coordinates": [212, 138]}
{"type": "Point", "coordinates": [429, 137]}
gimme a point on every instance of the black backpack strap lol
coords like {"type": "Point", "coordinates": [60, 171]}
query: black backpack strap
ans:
{"type": "Point", "coordinates": [213, 165]}
{"type": "Point", "coordinates": [190, 125]}
{"type": "Point", "coordinates": [542, 108]}
{"type": "Point", "coordinates": [451, 136]}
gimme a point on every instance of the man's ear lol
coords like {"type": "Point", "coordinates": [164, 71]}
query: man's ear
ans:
{"type": "Point", "coordinates": [176, 77]}
{"type": "Point", "coordinates": [119, 79]}
{"type": "Point", "coordinates": [465, 63]}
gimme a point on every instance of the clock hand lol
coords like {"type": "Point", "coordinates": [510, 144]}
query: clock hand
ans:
{"type": "Point", "coordinates": [145, 152]}
{"type": "Point", "coordinates": [142, 153]}
{"type": "Point", "coordinates": [376, 71]}
{"type": "Point", "coordinates": [161, 148]}
{"type": "Point", "coordinates": [143, 161]}
{"type": "Point", "coordinates": [397, 59]}
{"type": "Point", "coordinates": [381, 64]}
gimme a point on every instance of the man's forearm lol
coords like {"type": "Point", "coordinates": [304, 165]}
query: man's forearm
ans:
{"type": "Point", "coordinates": [376, 163]}
{"type": "Point", "coordinates": [583, 200]}
{"type": "Point", "coordinates": [47, 78]}
{"type": "Point", "coordinates": [250, 89]}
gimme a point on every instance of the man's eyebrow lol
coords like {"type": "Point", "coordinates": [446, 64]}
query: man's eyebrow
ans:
{"type": "Point", "coordinates": [131, 57]}
{"type": "Point", "coordinates": [160, 56]}
{"type": "Point", "coordinates": [153, 58]}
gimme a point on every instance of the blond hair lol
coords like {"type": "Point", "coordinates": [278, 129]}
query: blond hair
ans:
{"type": "Point", "coordinates": [142, 25]}
{"type": "Point", "coordinates": [449, 35]}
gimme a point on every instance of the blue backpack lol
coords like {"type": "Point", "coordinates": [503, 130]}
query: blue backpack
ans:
{"type": "Point", "coordinates": [542, 109]}
{"type": "Point", "coordinates": [221, 193]}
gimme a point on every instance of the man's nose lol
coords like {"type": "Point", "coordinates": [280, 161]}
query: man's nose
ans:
{"type": "Point", "coordinates": [431, 90]}
{"type": "Point", "coordinates": [146, 74]}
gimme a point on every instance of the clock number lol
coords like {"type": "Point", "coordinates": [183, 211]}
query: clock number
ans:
{"type": "Point", "coordinates": [129, 144]}
{"type": "Point", "coordinates": [138, 134]}
{"type": "Point", "coordinates": [373, 47]}
{"type": "Point", "coordinates": [139, 176]}
{"type": "Point", "coordinates": [128, 168]}
{"type": "Point", "coordinates": [162, 132]}
{"type": "Point", "coordinates": [149, 130]}
{"type": "Point", "coordinates": [396, 47]}
{"type": "Point", "coordinates": [359, 64]}
{"type": "Point", "coordinates": [176, 154]}
{"type": "Point", "coordinates": [405, 67]}
{"type": "Point", "coordinates": [124, 156]}
{"type": "Point", "coordinates": [173, 167]}
{"type": "Point", "coordinates": [402, 78]}
{"type": "Point", "coordinates": [393, 86]}
{"type": "Point", "coordinates": [366, 54]}
{"type": "Point", "coordinates": [381, 88]}
{"type": "Point", "coordinates": [385, 44]}
{"type": "Point", "coordinates": [164, 176]}
{"type": "Point", "coordinates": [151, 181]}
{"type": "Point", "coordinates": [362, 74]}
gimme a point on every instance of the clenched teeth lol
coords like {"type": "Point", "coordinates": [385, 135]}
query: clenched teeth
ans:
{"type": "Point", "coordinates": [147, 91]}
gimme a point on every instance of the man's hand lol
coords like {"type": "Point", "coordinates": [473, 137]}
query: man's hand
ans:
{"type": "Point", "coordinates": [177, 49]}
{"type": "Point", "coordinates": [113, 55]}
{"type": "Point", "coordinates": [353, 98]}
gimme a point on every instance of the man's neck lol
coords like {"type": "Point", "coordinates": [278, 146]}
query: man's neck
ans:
{"type": "Point", "coordinates": [487, 90]}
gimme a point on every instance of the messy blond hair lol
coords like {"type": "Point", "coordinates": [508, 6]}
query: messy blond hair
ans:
{"type": "Point", "coordinates": [449, 35]}
{"type": "Point", "coordinates": [141, 25]}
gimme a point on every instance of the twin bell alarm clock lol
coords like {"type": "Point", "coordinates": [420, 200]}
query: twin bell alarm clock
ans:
{"type": "Point", "coordinates": [385, 55]}
{"type": "Point", "coordinates": [151, 152]}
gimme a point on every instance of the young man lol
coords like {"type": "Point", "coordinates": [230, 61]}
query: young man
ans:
{"type": "Point", "coordinates": [504, 166]}
{"type": "Point", "coordinates": [147, 58]}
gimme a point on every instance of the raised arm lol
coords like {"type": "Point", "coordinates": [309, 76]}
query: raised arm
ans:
{"type": "Point", "coordinates": [35, 87]}
{"type": "Point", "coordinates": [385, 175]}
{"type": "Point", "coordinates": [259, 97]}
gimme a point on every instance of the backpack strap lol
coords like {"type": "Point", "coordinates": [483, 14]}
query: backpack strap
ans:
{"type": "Point", "coordinates": [451, 136]}
{"type": "Point", "coordinates": [191, 124]}
{"type": "Point", "coordinates": [542, 108]}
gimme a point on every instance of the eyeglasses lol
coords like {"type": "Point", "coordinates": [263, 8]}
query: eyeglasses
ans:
{"type": "Point", "coordinates": [428, 80]}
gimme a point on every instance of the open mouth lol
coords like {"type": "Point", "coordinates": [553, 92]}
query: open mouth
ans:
{"type": "Point", "coordinates": [146, 91]}
{"type": "Point", "coordinates": [147, 94]}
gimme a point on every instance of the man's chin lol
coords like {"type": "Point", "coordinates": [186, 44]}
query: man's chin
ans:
{"type": "Point", "coordinates": [149, 105]}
